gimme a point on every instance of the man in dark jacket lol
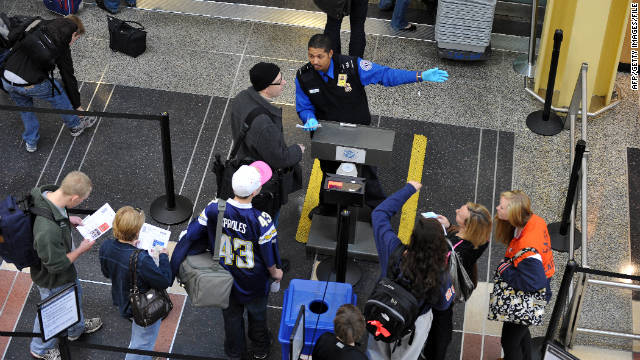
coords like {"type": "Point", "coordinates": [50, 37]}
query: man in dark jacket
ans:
{"type": "Point", "coordinates": [26, 79]}
{"type": "Point", "coordinates": [57, 252]}
{"type": "Point", "coordinates": [264, 140]}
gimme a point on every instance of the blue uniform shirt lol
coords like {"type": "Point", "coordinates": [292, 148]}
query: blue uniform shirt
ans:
{"type": "Point", "coordinates": [248, 245]}
{"type": "Point", "coordinates": [369, 72]}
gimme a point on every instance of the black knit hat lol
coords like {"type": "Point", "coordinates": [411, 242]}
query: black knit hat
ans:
{"type": "Point", "coordinates": [262, 75]}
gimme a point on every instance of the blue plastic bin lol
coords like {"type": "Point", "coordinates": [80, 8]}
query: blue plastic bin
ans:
{"type": "Point", "coordinates": [310, 294]}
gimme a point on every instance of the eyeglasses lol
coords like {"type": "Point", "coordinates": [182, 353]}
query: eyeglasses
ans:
{"type": "Point", "coordinates": [278, 83]}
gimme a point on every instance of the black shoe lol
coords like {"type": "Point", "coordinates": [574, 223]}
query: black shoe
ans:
{"type": "Point", "coordinates": [410, 27]}
{"type": "Point", "coordinates": [286, 264]}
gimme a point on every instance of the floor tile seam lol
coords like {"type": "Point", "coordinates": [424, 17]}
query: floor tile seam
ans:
{"type": "Point", "coordinates": [4, 303]}
{"type": "Point", "coordinates": [95, 130]}
{"type": "Point", "coordinates": [73, 141]}
{"type": "Point", "coordinates": [493, 199]}
{"type": "Point", "coordinates": [175, 331]}
{"type": "Point", "coordinates": [215, 140]}
{"type": "Point", "coordinates": [195, 146]}
{"type": "Point", "coordinates": [19, 317]}
{"type": "Point", "coordinates": [55, 143]}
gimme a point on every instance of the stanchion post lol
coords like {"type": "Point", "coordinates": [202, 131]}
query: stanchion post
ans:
{"type": "Point", "coordinates": [546, 122]}
{"type": "Point", "coordinates": [342, 245]}
{"type": "Point", "coordinates": [561, 299]}
{"type": "Point", "coordinates": [169, 208]}
{"type": "Point", "coordinates": [63, 346]}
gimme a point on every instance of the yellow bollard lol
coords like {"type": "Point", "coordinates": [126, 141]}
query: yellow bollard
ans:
{"type": "Point", "coordinates": [593, 33]}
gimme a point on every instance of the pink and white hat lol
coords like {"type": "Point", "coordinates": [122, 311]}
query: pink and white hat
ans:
{"type": "Point", "coordinates": [248, 178]}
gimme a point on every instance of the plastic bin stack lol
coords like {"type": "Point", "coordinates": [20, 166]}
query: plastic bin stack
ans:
{"type": "Point", "coordinates": [465, 25]}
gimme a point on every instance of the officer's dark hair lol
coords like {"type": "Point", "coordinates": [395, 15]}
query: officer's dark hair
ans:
{"type": "Point", "coordinates": [320, 41]}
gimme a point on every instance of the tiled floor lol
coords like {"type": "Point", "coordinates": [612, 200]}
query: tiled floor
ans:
{"type": "Point", "coordinates": [477, 147]}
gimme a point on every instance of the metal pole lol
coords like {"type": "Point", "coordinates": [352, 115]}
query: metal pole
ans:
{"type": "Point", "coordinates": [544, 122]}
{"type": "Point", "coordinates": [343, 243]}
{"type": "Point", "coordinates": [614, 284]}
{"type": "Point", "coordinates": [609, 333]}
{"type": "Point", "coordinates": [524, 65]}
{"type": "Point", "coordinates": [167, 161]}
{"type": "Point", "coordinates": [573, 183]}
{"type": "Point", "coordinates": [583, 171]}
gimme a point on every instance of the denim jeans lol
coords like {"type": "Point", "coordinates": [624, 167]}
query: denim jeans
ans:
{"type": "Point", "coordinates": [40, 347]}
{"type": "Point", "coordinates": [358, 40]}
{"type": "Point", "coordinates": [24, 95]}
{"type": "Point", "coordinates": [234, 339]}
{"type": "Point", "coordinates": [143, 338]}
{"type": "Point", "coordinates": [398, 19]}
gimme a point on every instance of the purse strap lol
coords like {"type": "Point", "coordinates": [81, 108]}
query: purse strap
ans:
{"type": "Point", "coordinates": [245, 129]}
{"type": "Point", "coordinates": [522, 252]}
{"type": "Point", "coordinates": [134, 22]}
{"type": "Point", "coordinates": [222, 206]}
{"type": "Point", "coordinates": [133, 267]}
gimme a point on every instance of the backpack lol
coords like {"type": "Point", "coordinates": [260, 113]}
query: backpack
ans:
{"type": "Point", "coordinates": [63, 7]}
{"type": "Point", "coordinates": [391, 310]}
{"type": "Point", "coordinates": [16, 230]}
{"type": "Point", "coordinates": [12, 30]}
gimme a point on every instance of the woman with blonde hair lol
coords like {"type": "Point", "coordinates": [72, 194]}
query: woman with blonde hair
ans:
{"type": "Point", "coordinates": [519, 228]}
{"type": "Point", "coordinates": [470, 238]}
{"type": "Point", "coordinates": [115, 255]}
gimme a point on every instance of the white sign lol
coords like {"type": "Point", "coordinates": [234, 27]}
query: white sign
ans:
{"type": "Point", "coordinates": [350, 154]}
{"type": "Point", "coordinates": [58, 312]}
{"type": "Point", "coordinates": [98, 223]}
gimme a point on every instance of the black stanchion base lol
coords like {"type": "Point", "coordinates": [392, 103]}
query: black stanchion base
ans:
{"type": "Point", "coordinates": [561, 242]}
{"type": "Point", "coordinates": [182, 211]}
{"type": "Point", "coordinates": [326, 271]}
{"type": "Point", "coordinates": [550, 127]}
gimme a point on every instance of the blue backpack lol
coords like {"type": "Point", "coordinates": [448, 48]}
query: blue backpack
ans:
{"type": "Point", "coordinates": [63, 7]}
{"type": "Point", "coordinates": [16, 230]}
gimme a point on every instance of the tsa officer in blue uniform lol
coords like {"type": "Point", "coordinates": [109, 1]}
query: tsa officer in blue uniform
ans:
{"type": "Point", "coordinates": [331, 87]}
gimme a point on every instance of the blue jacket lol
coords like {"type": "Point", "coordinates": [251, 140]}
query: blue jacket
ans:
{"type": "Point", "coordinates": [114, 263]}
{"type": "Point", "coordinates": [527, 276]}
{"type": "Point", "coordinates": [369, 72]}
{"type": "Point", "coordinates": [387, 240]}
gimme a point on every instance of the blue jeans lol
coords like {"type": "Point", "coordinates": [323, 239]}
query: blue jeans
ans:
{"type": "Point", "coordinates": [398, 19]}
{"type": "Point", "coordinates": [40, 347]}
{"type": "Point", "coordinates": [235, 345]}
{"type": "Point", "coordinates": [143, 338]}
{"type": "Point", "coordinates": [24, 95]}
{"type": "Point", "coordinates": [113, 4]}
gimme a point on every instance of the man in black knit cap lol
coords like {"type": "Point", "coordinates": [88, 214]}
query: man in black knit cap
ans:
{"type": "Point", "coordinates": [265, 140]}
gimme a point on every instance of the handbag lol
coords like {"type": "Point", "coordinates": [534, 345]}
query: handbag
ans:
{"type": "Point", "coordinates": [205, 280]}
{"type": "Point", "coordinates": [507, 304]}
{"type": "Point", "coordinates": [126, 38]}
{"type": "Point", "coordinates": [460, 280]}
{"type": "Point", "coordinates": [149, 307]}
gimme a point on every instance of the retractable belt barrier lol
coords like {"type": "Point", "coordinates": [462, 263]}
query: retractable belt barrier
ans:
{"type": "Point", "coordinates": [85, 345]}
{"type": "Point", "coordinates": [168, 209]}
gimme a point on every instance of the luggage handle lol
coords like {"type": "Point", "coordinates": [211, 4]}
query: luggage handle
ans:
{"type": "Point", "coordinates": [134, 22]}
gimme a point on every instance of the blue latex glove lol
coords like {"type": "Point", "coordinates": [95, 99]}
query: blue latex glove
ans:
{"type": "Point", "coordinates": [435, 75]}
{"type": "Point", "coordinates": [311, 124]}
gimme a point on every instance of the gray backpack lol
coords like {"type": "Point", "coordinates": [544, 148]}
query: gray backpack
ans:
{"type": "Point", "coordinates": [206, 281]}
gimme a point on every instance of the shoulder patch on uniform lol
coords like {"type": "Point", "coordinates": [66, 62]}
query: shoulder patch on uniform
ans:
{"type": "Point", "coordinates": [366, 65]}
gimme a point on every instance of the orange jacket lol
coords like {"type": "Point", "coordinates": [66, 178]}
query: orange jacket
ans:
{"type": "Point", "coordinates": [535, 235]}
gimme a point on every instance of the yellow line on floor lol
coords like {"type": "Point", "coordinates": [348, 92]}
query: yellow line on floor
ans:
{"type": "Point", "coordinates": [310, 201]}
{"type": "Point", "coordinates": [408, 217]}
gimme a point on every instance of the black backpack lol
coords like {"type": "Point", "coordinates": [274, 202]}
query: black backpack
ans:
{"type": "Point", "coordinates": [391, 310]}
{"type": "Point", "coordinates": [16, 230]}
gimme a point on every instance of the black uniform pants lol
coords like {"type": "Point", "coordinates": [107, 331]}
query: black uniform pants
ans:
{"type": "Point", "coordinates": [357, 17]}
{"type": "Point", "coordinates": [439, 335]}
{"type": "Point", "coordinates": [373, 192]}
{"type": "Point", "coordinates": [516, 341]}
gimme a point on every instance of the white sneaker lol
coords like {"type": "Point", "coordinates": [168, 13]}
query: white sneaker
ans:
{"type": "Point", "coordinates": [51, 354]}
{"type": "Point", "coordinates": [85, 123]}
{"type": "Point", "coordinates": [90, 326]}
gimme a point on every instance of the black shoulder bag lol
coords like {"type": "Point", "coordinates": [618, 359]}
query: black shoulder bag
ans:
{"type": "Point", "coordinates": [151, 306]}
{"type": "Point", "coordinates": [125, 38]}
{"type": "Point", "coordinates": [224, 170]}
